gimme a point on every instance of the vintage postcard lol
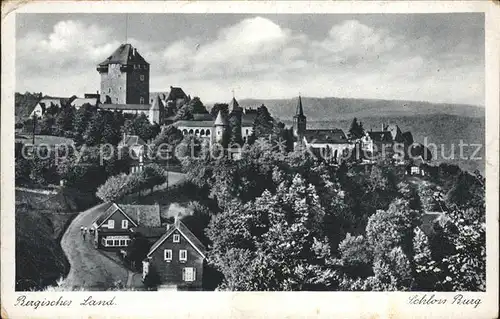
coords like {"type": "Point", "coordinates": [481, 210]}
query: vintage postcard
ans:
{"type": "Point", "coordinates": [250, 159]}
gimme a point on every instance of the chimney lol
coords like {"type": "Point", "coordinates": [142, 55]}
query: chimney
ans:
{"type": "Point", "coordinates": [176, 220]}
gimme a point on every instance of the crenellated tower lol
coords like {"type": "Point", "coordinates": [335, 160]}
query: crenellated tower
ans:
{"type": "Point", "coordinates": [124, 77]}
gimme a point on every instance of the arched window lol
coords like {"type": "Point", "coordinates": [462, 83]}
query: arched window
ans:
{"type": "Point", "coordinates": [197, 132]}
{"type": "Point", "coordinates": [208, 132]}
{"type": "Point", "coordinates": [202, 133]}
{"type": "Point", "coordinates": [246, 133]}
{"type": "Point", "coordinates": [191, 131]}
{"type": "Point", "coordinates": [184, 132]}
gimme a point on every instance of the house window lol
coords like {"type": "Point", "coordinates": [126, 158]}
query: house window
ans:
{"type": "Point", "coordinates": [109, 242]}
{"type": "Point", "coordinates": [141, 100]}
{"type": "Point", "coordinates": [183, 255]}
{"type": "Point", "coordinates": [142, 77]}
{"type": "Point", "coordinates": [177, 238]}
{"type": "Point", "coordinates": [414, 170]}
{"type": "Point", "coordinates": [124, 224]}
{"type": "Point", "coordinates": [189, 274]}
{"type": "Point", "coordinates": [109, 90]}
{"type": "Point", "coordinates": [167, 254]}
{"type": "Point", "coordinates": [111, 224]}
{"type": "Point", "coordinates": [145, 67]}
{"type": "Point", "coordinates": [127, 241]}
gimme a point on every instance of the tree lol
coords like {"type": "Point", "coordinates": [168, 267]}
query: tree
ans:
{"type": "Point", "coordinates": [137, 250]}
{"type": "Point", "coordinates": [80, 122]}
{"type": "Point", "coordinates": [196, 106]}
{"type": "Point", "coordinates": [165, 142]}
{"type": "Point", "coordinates": [224, 107]}
{"type": "Point", "coordinates": [114, 188]}
{"type": "Point", "coordinates": [143, 128]}
{"type": "Point", "coordinates": [356, 130]}
{"type": "Point", "coordinates": [46, 124]}
{"type": "Point", "coordinates": [64, 120]}
{"type": "Point", "coordinates": [273, 239]}
{"type": "Point", "coordinates": [93, 133]}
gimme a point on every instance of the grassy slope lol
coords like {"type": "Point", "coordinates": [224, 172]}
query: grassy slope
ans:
{"type": "Point", "coordinates": [40, 223]}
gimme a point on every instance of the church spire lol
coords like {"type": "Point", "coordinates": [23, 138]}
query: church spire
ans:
{"type": "Point", "coordinates": [300, 110]}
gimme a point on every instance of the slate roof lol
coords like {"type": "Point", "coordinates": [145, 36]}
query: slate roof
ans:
{"type": "Point", "coordinates": [185, 123]}
{"type": "Point", "coordinates": [46, 103]}
{"type": "Point", "coordinates": [221, 119]}
{"type": "Point", "coordinates": [178, 225]}
{"type": "Point", "coordinates": [143, 215]}
{"type": "Point", "coordinates": [248, 119]}
{"type": "Point", "coordinates": [333, 136]}
{"type": "Point", "coordinates": [124, 54]}
{"type": "Point", "coordinates": [380, 136]}
{"type": "Point", "coordinates": [202, 117]}
{"type": "Point", "coordinates": [149, 231]}
{"type": "Point", "coordinates": [79, 102]}
{"type": "Point", "coordinates": [139, 107]}
{"type": "Point", "coordinates": [176, 93]}
{"type": "Point", "coordinates": [408, 137]}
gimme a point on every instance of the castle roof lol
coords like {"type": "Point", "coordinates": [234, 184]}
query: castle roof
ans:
{"type": "Point", "coordinates": [124, 54]}
{"type": "Point", "coordinates": [186, 123]}
{"type": "Point", "coordinates": [333, 136]}
{"type": "Point", "coordinates": [381, 136]}
{"type": "Point", "coordinates": [221, 119]}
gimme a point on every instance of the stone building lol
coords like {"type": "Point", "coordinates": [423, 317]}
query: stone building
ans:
{"type": "Point", "coordinates": [124, 77]}
{"type": "Point", "coordinates": [326, 143]}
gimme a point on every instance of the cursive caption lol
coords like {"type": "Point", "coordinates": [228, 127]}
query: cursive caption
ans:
{"type": "Point", "coordinates": [23, 301]}
{"type": "Point", "coordinates": [458, 299]}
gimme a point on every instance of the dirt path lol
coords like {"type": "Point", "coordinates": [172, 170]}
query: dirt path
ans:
{"type": "Point", "coordinates": [90, 270]}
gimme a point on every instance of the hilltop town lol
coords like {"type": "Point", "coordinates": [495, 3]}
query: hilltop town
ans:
{"type": "Point", "coordinates": [182, 197]}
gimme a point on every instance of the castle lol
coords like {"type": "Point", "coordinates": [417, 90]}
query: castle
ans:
{"type": "Point", "coordinates": [125, 87]}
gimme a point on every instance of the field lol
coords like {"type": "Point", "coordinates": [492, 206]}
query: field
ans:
{"type": "Point", "coordinates": [43, 139]}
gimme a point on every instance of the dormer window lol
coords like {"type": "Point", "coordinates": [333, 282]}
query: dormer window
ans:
{"type": "Point", "coordinates": [177, 238]}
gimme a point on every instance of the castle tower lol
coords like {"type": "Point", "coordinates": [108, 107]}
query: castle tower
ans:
{"type": "Point", "coordinates": [124, 77]}
{"type": "Point", "coordinates": [220, 127]}
{"type": "Point", "coordinates": [299, 120]}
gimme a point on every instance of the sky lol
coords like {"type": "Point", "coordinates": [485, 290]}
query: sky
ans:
{"type": "Point", "coordinates": [423, 57]}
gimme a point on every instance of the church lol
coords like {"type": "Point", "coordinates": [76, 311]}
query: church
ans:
{"type": "Point", "coordinates": [327, 143]}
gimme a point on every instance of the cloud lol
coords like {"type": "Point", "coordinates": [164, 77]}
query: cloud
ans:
{"type": "Point", "coordinates": [261, 59]}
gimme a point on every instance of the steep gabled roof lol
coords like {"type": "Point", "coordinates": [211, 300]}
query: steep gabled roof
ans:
{"type": "Point", "coordinates": [124, 54]}
{"type": "Point", "coordinates": [333, 136]}
{"type": "Point", "coordinates": [176, 93]}
{"type": "Point", "coordinates": [381, 136]}
{"type": "Point", "coordinates": [186, 233]}
{"type": "Point", "coordinates": [109, 210]}
{"type": "Point", "coordinates": [143, 215]}
{"type": "Point", "coordinates": [139, 215]}
{"type": "Point", "coordinates": [220, 120]}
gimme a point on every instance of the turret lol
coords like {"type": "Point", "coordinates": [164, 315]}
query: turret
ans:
{"type": "Point", "coordinates": [299, 120]}
{"type": "Point", "coordinates": [220, 126]}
